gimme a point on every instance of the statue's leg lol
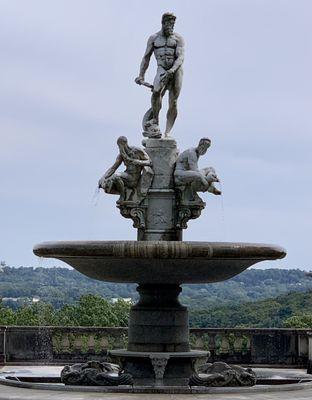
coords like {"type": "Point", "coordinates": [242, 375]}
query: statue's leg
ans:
{"type": "Point", "coordinates": [120, 187]}
{"type": "Point", "coordinates": [157, 94]}
{"type": "Point", "coordinates": [174, 93]}
{"type": "Point", "coordinates": [156, 106]}
{"type": "Point", "coordinates": [188, 177]}
{"type": "Point", "coordinates": [213, 189]}
{"type": "Point", "coordinates": [146, 180]}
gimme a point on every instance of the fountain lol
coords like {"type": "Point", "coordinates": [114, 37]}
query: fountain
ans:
{"type": "Point", "coordinates": [158, 191]}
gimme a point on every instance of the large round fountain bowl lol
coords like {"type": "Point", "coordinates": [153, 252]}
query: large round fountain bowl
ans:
{"type": "Point", "coordinates": [159, 262]}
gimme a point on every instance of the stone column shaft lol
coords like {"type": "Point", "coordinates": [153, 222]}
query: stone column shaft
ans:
{"type": "Point", "coordinates": [161, 199]}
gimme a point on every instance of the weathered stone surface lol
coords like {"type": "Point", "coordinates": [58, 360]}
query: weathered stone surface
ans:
{"type": "Point", "coordinates": [168, 48]}
{"type": "Point", "coordinates": [271, 347]}
{"type": "Point", "coordinates": [28, 343]}
{"type": "Point", "coordinates": [2, 345]}
{"type": "Point", "coordinates": [221, 374]}
{"type": "Point", "coordinates": [160, 202]}
{"type": "Point", "coordinates": [162, 262]}
{"type": "Point", "coordinates": [189, 180]}
{"type": "Point", "coordinates": [94, 373]}
{"type": "Point", "coordinates": [163, 154]}
{"type": "Point", "coordinates": [132, 184]}
{"type": "Point", "coordinates": [236, 344]}
{"type": "Point", "coordinates": [158, 189]}
{"type": "Point", "coordinates": [158, 322]}
{"type": "Point", "coordinates": [159, 368]}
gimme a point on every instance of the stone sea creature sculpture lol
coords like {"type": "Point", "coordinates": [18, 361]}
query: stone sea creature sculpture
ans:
{"type": "Point", "coordinates": [132, 184]}
{"type": "Point", "coordinates": [168, 49]}
{"type": "Point", "coordinates": [94, 373]}
{"type": "Point", "coordinates": [189, 179]}
{"type": "Point", "coordinates": [221, 374]}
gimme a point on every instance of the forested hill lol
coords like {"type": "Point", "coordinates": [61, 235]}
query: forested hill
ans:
{"type": "Point", "coordinates": [292, 310]}
{"type": "Point", "coordinates": [60, 286]}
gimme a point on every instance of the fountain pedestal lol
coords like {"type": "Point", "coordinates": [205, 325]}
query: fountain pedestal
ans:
{"type": "Point", "coordinates": [158, 322]}
{"type": "Point", "coordinates": [158, 340]}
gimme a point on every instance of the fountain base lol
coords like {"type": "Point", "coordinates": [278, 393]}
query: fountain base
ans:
{"type": "Point", "coordinates": [158, 351]}
{"type": "Point", "coordinates": [161, 368]}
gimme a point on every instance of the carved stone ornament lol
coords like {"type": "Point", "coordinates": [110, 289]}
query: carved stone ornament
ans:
{"type": "Point", "coordinates": [220, 374]}
{"type": "Point", "coordinates": [133, 211]}
{"type": "Point", "coordinates": [94, 373]}
{"type": "Point", "coordinates": [187, 212]}
{"type": "Point", "coordinates": [159, 364]}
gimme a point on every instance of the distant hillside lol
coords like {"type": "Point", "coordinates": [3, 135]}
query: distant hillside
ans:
{"type": "Point", "coordinates": [60, 286]}
{"type": "Point", "coordinates": [269, 313]}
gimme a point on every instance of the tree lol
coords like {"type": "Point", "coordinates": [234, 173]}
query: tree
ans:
{"type": "Point", "coordinates": [7, 316]}
{"type": "Point", "coordinates": [93, 310]}
{"type": "Point", "coordinates": [299, 321]}
{"type": "Point", "coordinates": [39, 314]}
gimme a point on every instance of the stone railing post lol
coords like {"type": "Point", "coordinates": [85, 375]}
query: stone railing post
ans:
{"type": "Point", "coordinates": [309, 369]}
{"type": "Point", "coordinates": [2, 345]}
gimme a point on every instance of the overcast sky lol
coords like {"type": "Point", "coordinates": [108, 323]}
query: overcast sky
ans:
{"type": "Point", "coordinates": [67, 92]}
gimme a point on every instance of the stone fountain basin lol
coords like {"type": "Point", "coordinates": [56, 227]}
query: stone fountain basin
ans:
{"type": "Point", "coordinates": [159, 262]}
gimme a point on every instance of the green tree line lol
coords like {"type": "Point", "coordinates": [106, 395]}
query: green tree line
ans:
{"type": "Point", "coordinates": [293, 310]}
{"type": "Point", "coordinates": [61, 286]}
{"type": "Point", "coordinates": [90, 310]}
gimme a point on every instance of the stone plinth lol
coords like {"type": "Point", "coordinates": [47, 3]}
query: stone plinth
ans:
{"type": "Point", "coordinates": [158, 339]}
{"type": "Point", "coordinates": [161, 368]}
{"type": "Point", "coordinates": [158, 322]}
{"type": "Point", "coordinates": [160, 220]}
{"type": "Point", "coordinates": [163, 153]}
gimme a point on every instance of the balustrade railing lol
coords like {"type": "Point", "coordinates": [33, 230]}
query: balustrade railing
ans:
{"type": "Point", "coordinates": [75, 344]}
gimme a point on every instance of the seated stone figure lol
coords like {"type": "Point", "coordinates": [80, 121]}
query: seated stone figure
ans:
{"type": "Point", "coordinates": [189, 179]}
{"type": "Point", "coordinates": [132, 184]}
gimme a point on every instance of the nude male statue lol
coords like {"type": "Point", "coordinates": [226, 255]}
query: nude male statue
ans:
{"type": "Point", "coordinates": [134, 182]}
{"type": "Point", "coordinates": [168, 48]}
{"type": "Point", "coordinates": [189, 178]}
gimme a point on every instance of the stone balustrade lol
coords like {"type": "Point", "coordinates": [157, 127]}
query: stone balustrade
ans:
{"type": "Point", "coordinates": [59, 345]}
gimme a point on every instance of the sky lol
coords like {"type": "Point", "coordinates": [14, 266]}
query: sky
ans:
{"type": "Point", "coordinates": [68, 91]}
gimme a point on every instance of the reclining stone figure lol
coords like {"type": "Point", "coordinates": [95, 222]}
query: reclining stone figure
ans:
{"type": "Point", "coordinates": [221, 374]}
{"type": "Point", "coordinates": [94, 373]}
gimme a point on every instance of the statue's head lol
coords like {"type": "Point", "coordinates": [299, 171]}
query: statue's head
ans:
{"type": "Point", "coordinates": [122, 141]}
{"type": "Point", "coordinates": [203, 146]}
{"type": "Point", "coordinates": [167, 21]}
